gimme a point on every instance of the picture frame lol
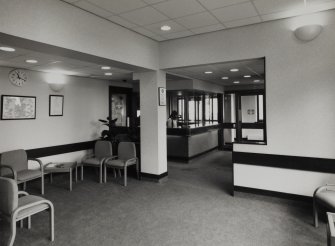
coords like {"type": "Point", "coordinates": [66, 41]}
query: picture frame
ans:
{"type": "Point", "coordinates": [162, 96]}
{"type": "Point", "coordinates": [56, 105]}
{"type": "Point", "coordinates": [15, 107]}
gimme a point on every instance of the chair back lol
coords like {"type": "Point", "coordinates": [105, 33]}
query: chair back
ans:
{"type": "Point", "coordinates": [103, 149]}
{"type": "Point", "coordinates": [8, 195]}
{"type": "Point", "coordinates": [17, 159]}
{"type": "Point", "coordinates": [126, 150]}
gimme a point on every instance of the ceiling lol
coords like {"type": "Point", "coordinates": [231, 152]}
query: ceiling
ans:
{"type": "Point", "coordinates": [64, 65]}
{"type": "Point", "coordinates": [191, 17]}
{"type": "Point", "coordinates": [254, 67]}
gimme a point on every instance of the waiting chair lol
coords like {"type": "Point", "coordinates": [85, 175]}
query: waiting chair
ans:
{"type": "Point", "coordinates": [325, 196]}
{"type": "Point", "coordinates": [102, 150]}
{"type": "Point", "coordinates": [126, 157]}
{"type": "Point", "coordinates": [15, 163]}
{"type": "Point", "coordinates": [16, 208]}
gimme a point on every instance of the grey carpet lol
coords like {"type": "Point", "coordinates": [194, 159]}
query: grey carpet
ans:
{"type": "Point", "coordinates": [194, 207]}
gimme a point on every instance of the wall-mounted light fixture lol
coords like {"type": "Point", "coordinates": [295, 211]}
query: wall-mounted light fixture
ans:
{"type": "Point", "coordinates": [56, 81]}
{"type": "Point", "coordinates": [308, 32]}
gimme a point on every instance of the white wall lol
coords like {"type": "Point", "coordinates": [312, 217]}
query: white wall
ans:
{"type": "Point", "coordinates": [299, 88]}
{"type": "Point", "coordinates": [58, 23]}
{"type": "Point", "coordinates": [85, 101]}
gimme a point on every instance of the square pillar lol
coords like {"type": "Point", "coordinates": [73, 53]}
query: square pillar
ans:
{"type": "Point", "coordinates": [153, 125]}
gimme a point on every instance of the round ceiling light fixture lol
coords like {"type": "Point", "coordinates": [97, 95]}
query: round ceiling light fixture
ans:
{"type": "Point", "coordinates": [234, 70]}
{"type": "Point", "coordinates": [31, 61]}
{"type": "Point", "coordinates": [247, 76]}
{"type": "Point", "coordinates": [105, 67]}
{"type": "Point", "coordinates": [208, 72]}
{"type": "Point", "coordinates": [225, 77]}
{"type": "Point", "coordinates": [257, 80]}
{"type": "Point", "coordinates": [108, 74]}
{"type": "Point", "coordinates": [7, 49]}
{"type": "Point", "coordinates": [236, 82]}
{"type": "Point", "coordinates": [165, 28]}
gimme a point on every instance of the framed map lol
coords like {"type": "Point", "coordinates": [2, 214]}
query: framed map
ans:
{"type": "Point", "coordinates": [56, 105]}
{"type": "Point", "coordinates": [18, 107]}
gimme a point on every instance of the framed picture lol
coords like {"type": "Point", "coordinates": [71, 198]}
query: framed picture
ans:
{"type": "Point", "coordinates": [162, 96]}
{"type": "Point", "coordinates": [56, 105]}
{"type": "Point", "coordinates": [18, 107]}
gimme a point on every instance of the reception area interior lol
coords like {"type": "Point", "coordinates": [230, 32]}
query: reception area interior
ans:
{"type": "Point", "coordinates": [167, 122]}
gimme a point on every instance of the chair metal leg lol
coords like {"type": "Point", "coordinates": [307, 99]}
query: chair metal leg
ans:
{"type": "Point", "coordinates": [13, 232]}
{"type": "Point", "coordinates": [70, 179]}
{"type": "Point", "coordinates": [82, 172]}
{"type": "Point", "coordinates": [120, 173]}
{"type": "Point", "coordinates": [100, 175]}
{"type": "Point", "coordinates": [125, 176]}
{"type": "Point", "coordinates": [52, 222]}
{"type": "Point", "coordinates": [29, 222]}
{"type": "Point", "coordinates": [105, 173]}
{"type": "Point", "coordinates": [42, 184]}
{"type": "Point", "coordinates": [315, 214]}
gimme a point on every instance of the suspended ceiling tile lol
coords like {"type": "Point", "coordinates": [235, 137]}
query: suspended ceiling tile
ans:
{"type": "Point", "coordinates": [178, 34]}
{"type": "Point", "coordinates": [214, 4]}
{"type": "Point", "coordinates": [235, 12]}
{"type": "Point", "coordinates": [93, 8]}
{"type": "Point", "coordinates": [119, 20]}
{"type": "Point", "coordinates": [179, 8]}
{"type": "Point", "coordinates": [198, 20]}
{"type": "Point", "coordinates": [208, 28]}
{"type": "Point", "coordinates": [144, 31]}
{"type": "Point", "coordinates": [272, 6]}
{"type": "Point", "coordinates": [153, 1]}
{"type": "Point", "coordinates": [144, 16]}
{"type": "Point", "coordinates": [118, 6]}
{"type": "Point", "coordinates": [243, 22]}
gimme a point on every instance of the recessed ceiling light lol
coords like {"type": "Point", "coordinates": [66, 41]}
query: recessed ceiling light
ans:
{"type": "Point", "coordinates": [108, 74]}
{"type": "Point", "coordinates": [247, 76]}
{"type": "Point", "coordinates": [225, 77]}
{"type": "Point", "coordinates": [234, 70]}
{"type": "Point", "coordinates": [8, 49]}
{"type": "Point", "coordinates": [105, 68]}
{"type": "Point", "coordinates": [165, 28]}
{"type": "Point", "coordinates": [236, 82]}
{"type": "Point", "coordinates": [257, 80]}
{"type": "Point", "coordinates": [208, 72]}
{"type": "Point", "coordinates": [31, 61]}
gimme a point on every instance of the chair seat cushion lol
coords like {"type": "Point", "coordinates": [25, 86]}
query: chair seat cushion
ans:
{"type": "Point", "coordinates": [25, 200]}
{"type": "Point", "coordinates": [92, 161]}
{"type": "Point", "coordinates": [326, 198]}
{"type": "Point", "coordinates": [28, 174]}
{"type": "Point", "coordinates": [119, 163]}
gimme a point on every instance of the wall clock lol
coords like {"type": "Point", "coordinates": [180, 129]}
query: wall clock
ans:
{"type": "Point", "coordinates": [17, 77]}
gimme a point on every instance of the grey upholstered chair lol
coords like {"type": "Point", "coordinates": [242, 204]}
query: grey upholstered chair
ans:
{"type": "Point", "coordinates": [325, 196]}
{"type": "Point", "coordinates": [16, 208]}
{"type": "Point", "coordinates": [331, 229]}
{"type": "Point", "coordinates": [15, 163]}
{"type": "Point", "coordinates": [126, 157]}
{"type": "Point", "coordinates": [102, 150]}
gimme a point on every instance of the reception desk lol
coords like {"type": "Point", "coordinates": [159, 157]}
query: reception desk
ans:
{"type": "Point", "coordinates": [187, 143]}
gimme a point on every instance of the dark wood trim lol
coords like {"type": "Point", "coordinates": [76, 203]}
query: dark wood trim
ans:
{"type": "Point", "coordinates": [262, 192]}
{"type": "Point", "coordinates": [154, 177]}
{"type": "Point", "coordinates": [60, 149]}
{"type": "Point", "coordinates": [284, 161]}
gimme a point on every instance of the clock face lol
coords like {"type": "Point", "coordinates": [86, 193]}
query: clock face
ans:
{"type": "Point", "coordinates": [17, 77]}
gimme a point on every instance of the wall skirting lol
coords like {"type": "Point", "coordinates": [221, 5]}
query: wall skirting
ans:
{"type": "Point", "coordinates": [153, 177]}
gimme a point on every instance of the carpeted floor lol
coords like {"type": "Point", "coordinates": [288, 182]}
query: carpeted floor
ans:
{"type": "Point", "coordinates": [194, 207]}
